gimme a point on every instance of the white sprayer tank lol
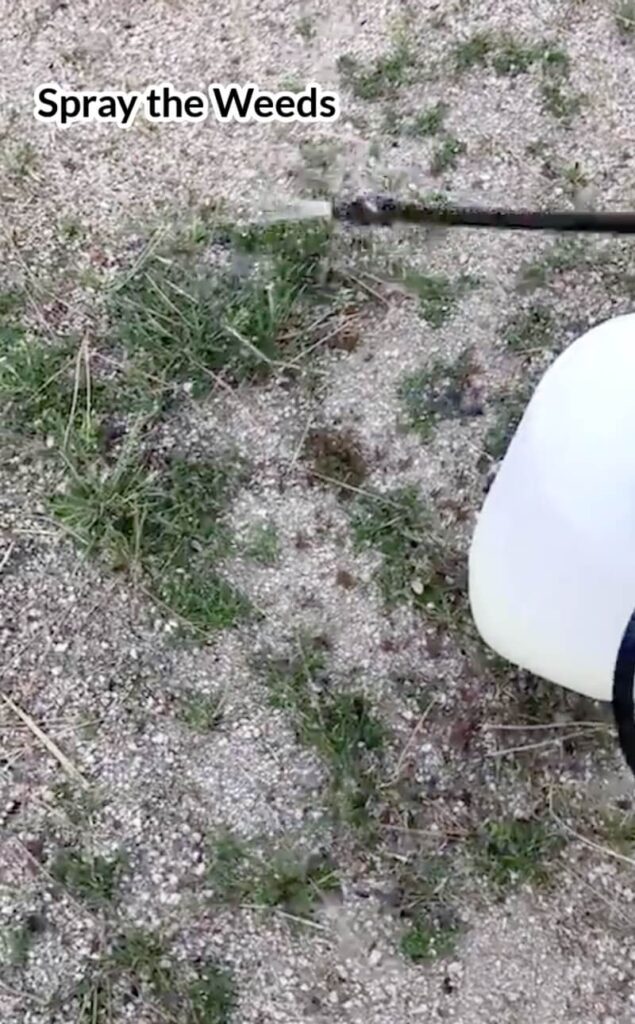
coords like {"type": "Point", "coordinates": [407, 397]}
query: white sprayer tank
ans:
{"type": "Point", "coordinates": [552, 561]}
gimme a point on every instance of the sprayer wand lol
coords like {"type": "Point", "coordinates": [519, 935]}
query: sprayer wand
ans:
{"type": "Point", "coordinates": [385, 211]}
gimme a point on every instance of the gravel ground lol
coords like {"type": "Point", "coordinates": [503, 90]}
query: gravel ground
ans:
{"type": "Point", "coordinates": [100, 669]}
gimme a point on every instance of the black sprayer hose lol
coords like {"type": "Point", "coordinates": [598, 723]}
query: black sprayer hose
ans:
{"type": "Point", "coordinates": [384, 211]}
{"type": "Point", "coordinates": [623, 707]}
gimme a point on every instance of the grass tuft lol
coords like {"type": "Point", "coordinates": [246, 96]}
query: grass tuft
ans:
{"type": "Point", "coordinates": [625, 19]}
{"type": "Point", "coordinates": [189, 320]}
{"type": "Point", "coordinates": [513, 57]}
{"type": "Point", "coordinates": [560, 103]}
{"type": "Point", "coordinates": [11, 306]}
{"type": "Point", "coordinates": [262, 544]}
{"type": "Point", "coordinates": [436, 393]}
{"type": "Point", "coordinates": [438, 295]}
{"type": "Point", "coordinates": [91, 878]}
{"type": "Point", "coordinates": [417, 567]}
{"type": "Point", "coordinates": [211, 997]}
{"type": "Point", "coordinates": [515, 852]}
{"type": "Point", "coordinates": [163, 526]}
{"type": "Point", "coordinates": [510, 408]}
{"type": "Point", "coordinates": [20, 162]}
{"type": "Point", "coordinates": [617, 828]}
{"type": "Point", "coordinates": [565, 255]}
{"type": "Point", "coordinates": [384, 77]}
{"type": "Point", "coordinates": [139, 963]}
{"type": "Point", "coordinates": [18, 941]}
{"type": "Point", "coordinates": [473, 52]}
{"type": "Point", "coordinates": [295, 886]}
{"type": "Point", "coordinates": [530, 330]}
{"type": "Point", "coordinates": [446, 155]}
{"type": "Point", "coordinates": [144, 956]}
{"type": "Point", "coordinates": [228, 867]}
{"type": "Point", "coordinates": [509, 56]}
{"type": "Point", "coordinates": [432, 925]}
{"type": "Point", "coordinates": [36, 383]}
{"type": "Point", "coordinates": [428, 939]}
{"type": "Point", "coordinates": [276, 878]}
{"type": "Point", "coordinates": [339, 725]}
{"type": "Point", "coordinates": [202, 712]}
{"type": "Point", "coordinates": [429, 121]}
{"type": "Point", "coordinates": [557, 98]}
{"type": "Point", "coordinates": [305, 28]}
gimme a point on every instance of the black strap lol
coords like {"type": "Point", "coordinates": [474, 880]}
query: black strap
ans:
{"type": "Point", "coordinates": [623, 681]}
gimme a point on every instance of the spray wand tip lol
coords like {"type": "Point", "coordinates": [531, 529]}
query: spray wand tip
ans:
{"type": "Point", "coordinates": [303, 209]}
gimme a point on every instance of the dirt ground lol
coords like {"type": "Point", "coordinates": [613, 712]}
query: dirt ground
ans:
{"type": "Point", "coordinates": [289, 784]}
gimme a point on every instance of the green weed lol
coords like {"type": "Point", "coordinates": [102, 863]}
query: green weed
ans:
{"type": "Point", "coordinates": [561, 104]}
{"type": "Point", "coordinates": [565, 255]}
{"type": "Point", "coordinates": [417, 567]}
{"type": "Point", "coordinates": [295, 886]}
{"type": "Point", "coordinates": [513, 57]}
{"type": "Point", "coordinates": [557, 99]}
{"type": "Point", "coordinates": [93, 995]}
{"type": "Point", "coordinates": [555, 61]}
{"type": "Point", "coordinates": [436, 199]}
{"type": "Point", "coordinates": [139, 963]}
{"type": "Point", "coordinates": [36, 383]}
{"type": "Point", "coordinates": [617, 828]}
{"type": "Point", "coordinates": [11, 304]}
{"type": "Point", "coordinates": [200, 711]}
{"type": "Point", "coordinates": [79, 806]}
{"type": "Point", "coordinates": [144, 957]}
{"type": "Point", "coordinates": [383, 78]}
{"type": "Point", "coordinates": [569, 254]}
{"type": "Point", "coordinates": [515, 852]}
{"type": "Point", "coordinates": [164, 526]}
{"type": "Point", "coordinates": [203, 602]}
{"type": "Point", "coordinates": [429, 121]}
{"type": "Point", "coordinates": [231, 301]}
{"type": "Point", "coordinates": [71, 228]}
{"type": "Point", "coordinates": [438, 295]}
{"type": "Point", "coordinates": [532, 275]}
{"type": "Point", "coordinates": [17, 943]}
{"type": "Point", "coordinates": [91, 878]}
{"type": "Point", "coordinates": [211, 998]}
{"type": "Point", "coordinates": [305, 28]}
{"type": "Point", "coordinates": [530, 330]}
{"type": "Point", "coordinates": [189, 322]}
{"type": "Point", "coordinates": [319, 159]}
{"type": "Point", "coordinates": [510, 408]}
{"type": "Point", "coordinates": [508, 56]}
{"type": "Point", "coordinates": [262, 544]}
{"type": "Point", "coordinates": [473, 52]}
{"type": "Point", "coordinates": [575, 177]}
{"type": "Point", "coordinates": [278, 878]}
{"type": "Point", "coordinates": [435, 393]}
{"type": "Point", "coordinates": [340, 726]}
{"type": "Point", "coordinates": [21, 161]}
{"type": "Point", "coordinates": [625, 19]}
{"type": "Point", "coordinates": [229, 868]}
{"type": "Point", "coordinates": [291, 83]}
{"type": "Point", "coordinates": [446, 155]}
{"type": "Point", "coordinates": [432, 925]}
{"type": "Point", "coordinates": [428, 939]}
